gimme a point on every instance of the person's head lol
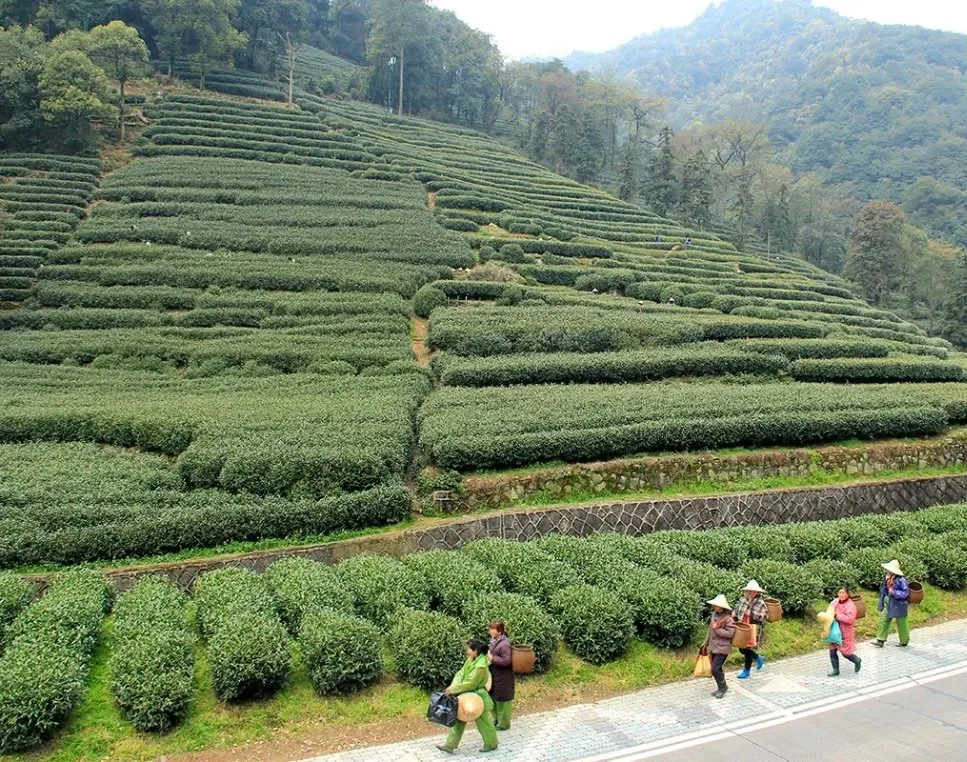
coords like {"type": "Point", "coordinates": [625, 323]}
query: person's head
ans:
{"type": "Point", "coordinates": [719, 610]}
{"type": "Point", "coordinates": [750, 594]}
{"type": "Point", "coordinates": [497, 628]}
{"type": "Point", "coordinates": [843, 594]}
{"type": "Point", "coordinates": [475, 648]}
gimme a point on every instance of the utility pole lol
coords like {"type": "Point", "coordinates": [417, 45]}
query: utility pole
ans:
{"type": "Point", "coordinates": [400, 104]}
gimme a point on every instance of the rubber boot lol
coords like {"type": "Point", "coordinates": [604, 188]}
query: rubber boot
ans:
{"type": "Point", "coordinates": [759, 662]}
{"type": "Point", "coordinates": [744, 674]}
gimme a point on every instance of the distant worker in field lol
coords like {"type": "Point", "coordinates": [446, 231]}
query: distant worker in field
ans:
{"type": "Point", "coordinates": [718, 642]}
{"type": "Point", "coordinates": [500, 657]}
{"type": "Point", "coordinates": [657, 239]}
{"type": "Point", "coordinates": [751, 609]}
{"type": "Point", "coordinates": [671, 301]}
{"type": "Point", "coordinates": [894, 595]}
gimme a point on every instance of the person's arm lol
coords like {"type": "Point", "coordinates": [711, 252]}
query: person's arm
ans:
{"type": "Point", "coordinates": [501, 655]}
{"type": "Point", "coordinates": [901, 590]}
{"type": "Point", "coordinates": [879, 604]}
{"type": "Point", "coordinates": [760, 612]}
{"type": "Point", "coordinates": [728, 627]}
{"type": "Point", "coordinates": [846, 615]}
{"type": "Point", "coordinates": [476, 679]}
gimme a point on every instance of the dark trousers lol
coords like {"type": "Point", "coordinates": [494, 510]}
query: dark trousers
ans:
{"type": "Point", "coordinates": [750, 656]}
{"type": "Point", "coordinates": [834, 658]}
{"type": "Point", "coordinates": [718, 662]}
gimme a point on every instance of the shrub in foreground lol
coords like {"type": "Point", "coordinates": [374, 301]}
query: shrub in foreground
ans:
{"type": "Point", "coordinates": [428, 647]}
{"type": "Point", "coordinates": [342, 653]}
{"type": "Point", "coordinates": [795, 586]}
{"type": "Point", "coordinates": [300, 586]}
{"type": "Point", "coordinates": [153, 661]}
{"type": "Point", "coordinates": [454, 578]}
{"type": "Point", "coordinates": [381, 585]}
{"type": "Point", "coordinates": [595, 623]}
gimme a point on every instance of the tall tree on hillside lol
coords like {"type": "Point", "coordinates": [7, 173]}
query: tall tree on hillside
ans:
{"type": "Point", "coordinates": [876, 254]}
{"type": "Point", "coordinates": [397, 25]}
{"type": "Point", "coordinates": [74, 93]}
{"type": "Point", "coordinates": [267, 22]}
{"type": "Point", "coordinates": [21, 62]}
{"type": "Point", "coordinates": [119, 50]}
{"type": "Point", "coordinates": [955, 308]}
{"type": "Point", "coordinates": [695, 203]}
{"type": "Point", "coordinates": [661, 186]}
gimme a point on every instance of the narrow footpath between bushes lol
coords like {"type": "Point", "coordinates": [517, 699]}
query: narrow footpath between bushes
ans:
{"type": "Point", "coordinates": [671, 718]}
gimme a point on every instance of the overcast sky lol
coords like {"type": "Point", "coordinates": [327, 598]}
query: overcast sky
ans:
{"type": "Point", "coordinates": [525, 28]}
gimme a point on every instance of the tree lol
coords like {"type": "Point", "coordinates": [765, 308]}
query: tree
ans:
{"type": "Point", "coordinates": [661, 186]}
{"type": "Point", "coordinates": [119, 50]}
{"type": "Point", "coordinates": [955, 307]}
{"type": "Point", "coordinates": [292, 48]}
{"type": "Point", "coordinates": [21, 62]}
{"type": "Point", "coordinates": [876, 253]}
{"type": "Point", "coordinates": [74, 93]}
{"type": "Point", "coordinates": [696, 197]}
{"type": "Point", "coordinates": [397, 25]}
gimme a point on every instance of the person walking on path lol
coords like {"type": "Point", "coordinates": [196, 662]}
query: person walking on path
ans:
{"type": "Point", "coordinates": [752, 609]}
{"type": "Point", "coordinates": [718, 642]}
{"type": "Point", "coordinates": [893, 603]}
{"type": "Point", "coordinates": [844, 611]}
{"type": "Point", "coordinates": [472, 678]}
{"type": "Point", "coordinates": [502, 671]}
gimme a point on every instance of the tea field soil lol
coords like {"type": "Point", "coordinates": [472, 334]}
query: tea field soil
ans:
{"type": "Point", "coordinates": [920, 691]}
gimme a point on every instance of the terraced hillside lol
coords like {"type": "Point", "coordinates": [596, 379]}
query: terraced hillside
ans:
{"type": "Point", "coordinates": [227, 338]}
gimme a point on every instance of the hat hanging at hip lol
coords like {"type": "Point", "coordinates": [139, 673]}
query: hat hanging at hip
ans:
{"type": "Point", "coordinates": [893, 567]}
{"type": "Point", "coordinates": [719, 601]}
{"type": "Point", "coordinates": [753, 587]}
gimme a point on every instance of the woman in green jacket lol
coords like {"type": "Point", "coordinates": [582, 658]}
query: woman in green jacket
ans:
{"type": "Point", "coordinates": [473, 678]}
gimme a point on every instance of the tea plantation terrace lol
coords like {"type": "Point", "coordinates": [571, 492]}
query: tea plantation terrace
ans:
{"type": "Point", "coordinates": [224, 329]}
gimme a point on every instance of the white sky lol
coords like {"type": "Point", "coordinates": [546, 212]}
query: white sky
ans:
{"type": "Point", "coordinates": [542, 28]}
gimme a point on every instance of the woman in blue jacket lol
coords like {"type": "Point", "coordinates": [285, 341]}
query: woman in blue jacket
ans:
{"type": "Point", "coordinates": [893, 603]}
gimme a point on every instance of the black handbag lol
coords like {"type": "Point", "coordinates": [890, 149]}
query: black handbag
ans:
{"type": "Point", "coordinates": [442, 709]}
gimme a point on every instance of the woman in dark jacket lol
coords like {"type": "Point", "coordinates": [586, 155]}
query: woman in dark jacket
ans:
{"type": "Point", "coordinates": [718, 642]}
{"type": "Point", "coordinates": [502, 672]}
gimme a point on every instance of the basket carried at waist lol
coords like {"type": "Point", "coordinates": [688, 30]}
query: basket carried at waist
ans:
{"type": "Point", "coordinates": [744, 636]}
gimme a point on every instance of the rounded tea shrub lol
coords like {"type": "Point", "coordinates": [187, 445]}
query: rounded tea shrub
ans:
{"type": "Point", "coordinates": [867, 561]}
{"type": "Point", "coordinates": [381, 585]}
{"type": "Point", "coordinates": [947, 518]}
{"type": "Point", "coordinates": [946, 565]}
{"type": "Point", "coordinates": [646, 552]}
{"type": "Point", "coordinates": [427, 299]}
{"type": "Point", "coordinates": [813, 540]}
{"type": "Point", "coordinates": [666, 612]}
{"type": "Point", "coordinates": [860, 533]}
{"type": "Point", "coordinates": [763, 542]}
{"type": "Point", "coordinates": [705, 580]}
{"type": "Point", "coordinates": [454, 578]}
{"type": "Point", "coordinates": [428, 648]}
{"type": "Point", "coordinates": [342, 653]}
{"type": "Point", "coordinates": [250, 658]}
{"type": "Point", "coordinates": [523, 567]}
{"type": "Point", "coordinates": [833, 575]}
{"type": "Point", "coordinates": [795, 586]}
{"type": "Point", "coordinates": [15, 594]}
{"type": "Point", "coordinates": [527, 623]}
{"type": "Point", "coordinates": [714, 547]}
{"type": "Point", "coordinates": [300, 586]}
{"type": "Point", "coordinates": [595, 623]}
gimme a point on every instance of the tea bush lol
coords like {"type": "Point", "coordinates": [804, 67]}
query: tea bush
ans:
{"type": "Point", "coordinates": [428, 648]}
{"type": "Point", "coordinates": [454, 578]}
{"type": "Point", "coordinates": [795, 586]}
{"type": "Point", "coordinates": [381, 586]}
{"type": "Point", "coordinates": [248, 648]}
{"type": "Point", "coordinates": [523, 567]}
{"type": "Point", "coordinates": [342, 653]}
{"type": "Point", "coordinates": [301, 587]}
{"type": "Point", "coordinates": [153, 660]}
{"type": "Point", "coordinates": [595, 623]}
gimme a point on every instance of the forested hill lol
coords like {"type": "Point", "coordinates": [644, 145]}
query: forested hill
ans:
{"type": "Point", "coordinates": [879, 109]}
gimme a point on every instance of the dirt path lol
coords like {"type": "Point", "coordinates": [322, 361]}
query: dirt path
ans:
{"type": "Point", "coordinates": [431, 200]}
{"type": "Point", "coordinates": [418, 331]}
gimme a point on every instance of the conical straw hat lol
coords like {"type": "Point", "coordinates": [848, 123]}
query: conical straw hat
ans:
{"type": "Point", "coordinates": [719, 601]}
{"type": "Point", "coordinates": [893, 567]}
{"type": "Point", "coordinates": [753, 586]}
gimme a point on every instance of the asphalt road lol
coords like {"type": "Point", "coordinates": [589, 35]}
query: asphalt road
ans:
{"type": "Point", "coordinates": [926, 722]}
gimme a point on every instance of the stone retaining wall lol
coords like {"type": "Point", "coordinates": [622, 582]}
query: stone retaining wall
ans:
{"type": "Point", "coordinates": [623, 476]}
{"type": "Point", "coordinates": [629, 517]}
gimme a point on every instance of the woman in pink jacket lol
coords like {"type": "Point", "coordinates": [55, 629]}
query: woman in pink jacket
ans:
{"type": "Point", "coordinates": [845, 612]}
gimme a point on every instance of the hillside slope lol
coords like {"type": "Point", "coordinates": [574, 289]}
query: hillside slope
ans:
{"type": "Point", "coordinates": [226, 339]}
{"type": "Point", "coordinates": [877, 109]}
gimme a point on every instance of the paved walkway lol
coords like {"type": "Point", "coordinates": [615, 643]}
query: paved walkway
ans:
{"type": "Point", "coordinates": [657, 720]}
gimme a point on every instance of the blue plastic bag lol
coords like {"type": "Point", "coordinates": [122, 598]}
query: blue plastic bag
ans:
{"type": "Point", "coordinates": [835, 634]}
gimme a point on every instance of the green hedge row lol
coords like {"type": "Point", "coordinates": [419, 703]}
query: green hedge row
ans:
{"type": "Point", "coordinates": [44, 668]}
{"type": "Point", "coordinates": [301, 587]}
{"type": "Point", "coordinates": [875, 370]}
{"type": "Point", "coordinates": [646, 365]}
{"type": "Point", "coordinates": [153, 661]}
{"type": "Point", "coordinates": [787, 428]}
{"type": "Point", "coordinates": [248, 647]}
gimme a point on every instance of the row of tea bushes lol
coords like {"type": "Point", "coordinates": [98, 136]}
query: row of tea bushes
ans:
{"type": "Point", "coordinates": [496, 427]}
{"type": "Point", "coordinates": [44, 666]}
{"type": "Point", "coordinates": [595, 593]}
